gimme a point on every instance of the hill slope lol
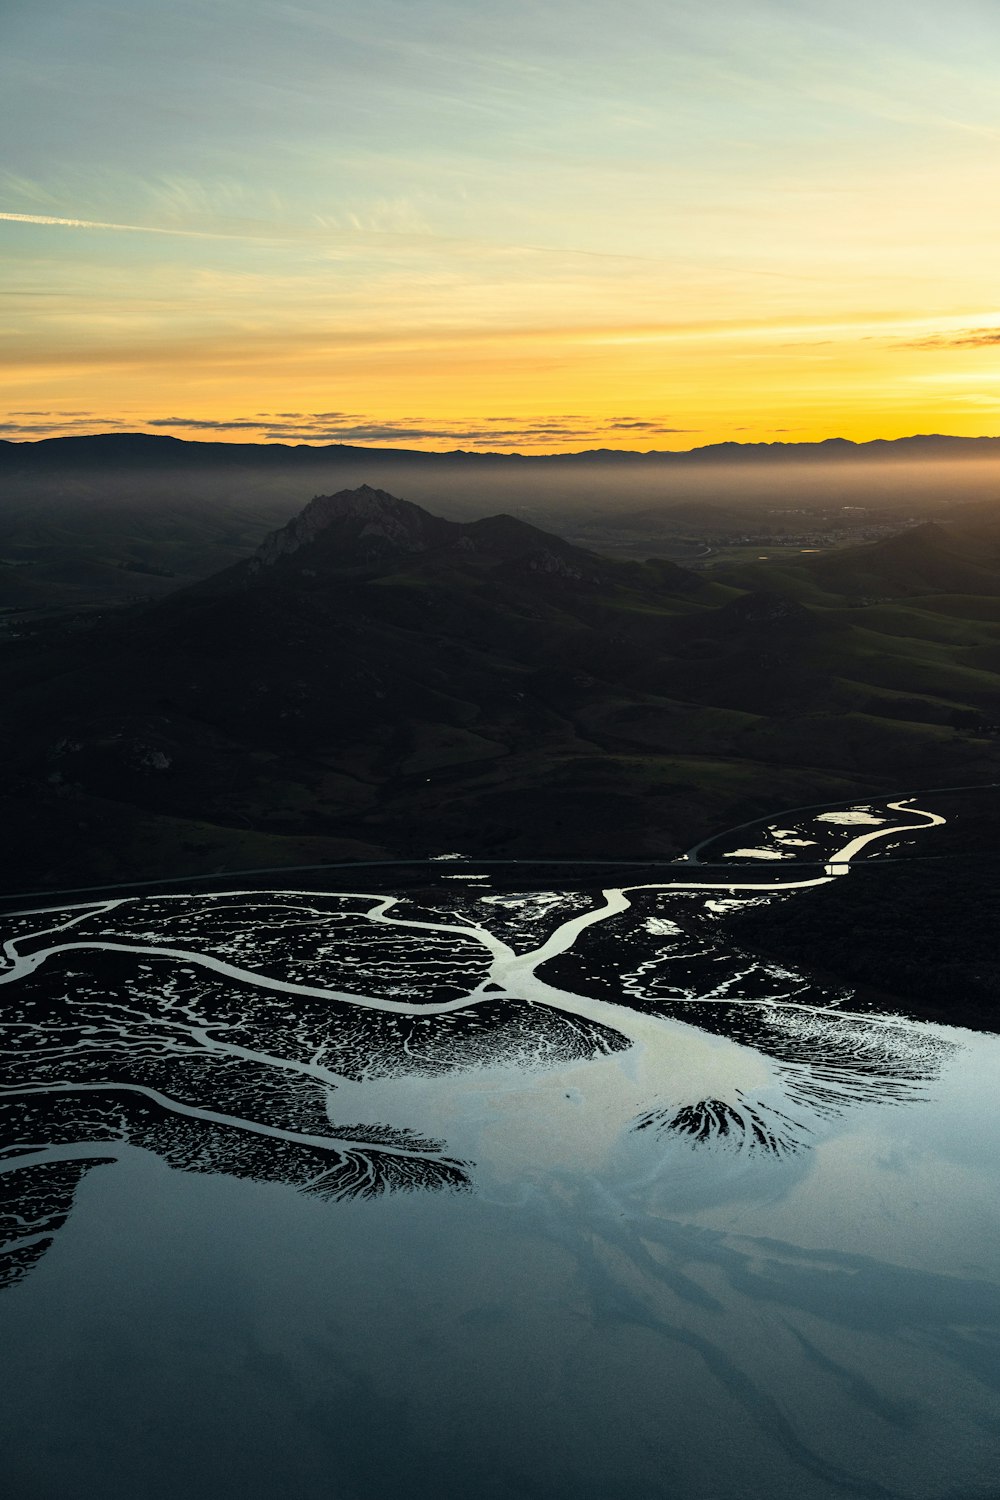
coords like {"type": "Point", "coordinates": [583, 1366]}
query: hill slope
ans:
{"type": "Point", "coordinates": [378, 680]}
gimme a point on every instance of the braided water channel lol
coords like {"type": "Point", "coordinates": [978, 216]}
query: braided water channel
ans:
{"type": "Point", "coordinates": [738, 1231]}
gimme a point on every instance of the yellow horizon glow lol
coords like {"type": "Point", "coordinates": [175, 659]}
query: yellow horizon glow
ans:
{"type": "Point", "coordinates": [652, 230]}
{"type": "Point", "coordinates": [692, 386]}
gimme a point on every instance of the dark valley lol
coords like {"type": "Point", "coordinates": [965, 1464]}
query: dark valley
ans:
{"type": "Point", "coordinates": [379, 682]}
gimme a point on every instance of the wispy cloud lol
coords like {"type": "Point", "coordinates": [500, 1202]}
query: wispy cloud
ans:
{"type": "Point", "coordinates": [344, 427]}
{"type": "Point", "coordinates": [53, 219]}
{"type": "Point", "coordinates": [57, 424]}
{"type": "Point", "coordinates": [382, 225]}
{"type": "Point", "coordinates": [635, 423]}
{"type": "Point", "coordinates": [963, 338]}
{"type": "Point", "coordinates": [543, 432]}
{"type": "Point", "coordinates": [208, 424]}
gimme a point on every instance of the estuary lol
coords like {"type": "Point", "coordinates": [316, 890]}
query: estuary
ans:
{"type": "Point", "coordinates": [478, 1187]}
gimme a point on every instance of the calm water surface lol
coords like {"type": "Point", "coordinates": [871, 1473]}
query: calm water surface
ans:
{"type": "Point", "coordinates": [485, 1191]}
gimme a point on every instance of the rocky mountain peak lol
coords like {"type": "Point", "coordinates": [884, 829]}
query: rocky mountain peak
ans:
{"type": "Point", "coordinates": [368, 522]}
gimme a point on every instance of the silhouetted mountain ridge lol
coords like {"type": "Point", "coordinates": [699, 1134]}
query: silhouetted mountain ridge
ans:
{"type": "Point", "coordinates": [145, 449]}
{"type": "Point", "coordinates": [377, 680]}
{"type": "Point", "coordinates": [369, 529]}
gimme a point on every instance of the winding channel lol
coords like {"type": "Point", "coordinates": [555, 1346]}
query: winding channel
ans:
{"type": "Point", "coordinates": [510, 973]}
{"type": "Point", "coordinates": [655, 1042]}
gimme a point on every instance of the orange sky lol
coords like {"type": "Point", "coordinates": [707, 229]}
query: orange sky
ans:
{"type": "Point", "coordinates": [656, 226]}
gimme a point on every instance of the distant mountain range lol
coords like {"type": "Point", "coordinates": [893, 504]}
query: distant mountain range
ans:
{"type": "Point", "coordinates": [376, 680]}
{"type": "Point", "coordinates": [90, 522]}
{"type": "Point", "coordinates": [154, 450]}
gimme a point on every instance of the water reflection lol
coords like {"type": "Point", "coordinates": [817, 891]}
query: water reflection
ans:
{"type": "Point", "coordinates": [250, 1340]}
{"type": "Point", "coordinates": [270, 1035]}
{"type": "Point", "coordinates": [486, 1191]}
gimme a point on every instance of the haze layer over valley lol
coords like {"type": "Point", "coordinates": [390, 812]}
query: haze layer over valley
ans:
{"type": "Point", "coordinates": [376, 681]}
{"type": "Point", "coordinates": [96, 522]}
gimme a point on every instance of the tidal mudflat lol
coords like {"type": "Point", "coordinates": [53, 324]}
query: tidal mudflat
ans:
{"type": "Point", "coordinates": [495, 1189]}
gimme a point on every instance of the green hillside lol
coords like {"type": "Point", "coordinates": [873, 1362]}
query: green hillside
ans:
{"type": "Point", "coordinates": [378, 681]}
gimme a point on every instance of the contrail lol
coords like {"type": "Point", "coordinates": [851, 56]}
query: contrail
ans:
{"type": "Point", "coordinates": [323, 232]}
{"type": "Point", "coordinates": [407, 236]}
{"type": "Point", "coordinates": [188, 234]}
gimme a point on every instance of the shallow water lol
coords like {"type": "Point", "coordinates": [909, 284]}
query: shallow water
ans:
{"type": "Point", "coordinates": [488, 1191]}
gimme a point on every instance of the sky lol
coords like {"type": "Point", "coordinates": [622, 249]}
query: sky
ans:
{"type": "Point", "coordinates": [542, 227]}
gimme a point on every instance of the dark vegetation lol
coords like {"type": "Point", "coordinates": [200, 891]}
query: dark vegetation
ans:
{"type": "Point", "coordinates": [379, 681]}
{"type": "Point", "coordinates": [916, 935]}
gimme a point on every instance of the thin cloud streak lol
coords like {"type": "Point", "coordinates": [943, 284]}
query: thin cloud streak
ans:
{"type": "Point", "coordinates": [294, 345]}
{"type": "Point", "coordinates": [354, 428]}
{"type": "Point", "coordinates": [967, 338]}
{"type": "Point", "coordinates": [344, 428]}
{"type": "Point", "coordinates": [357, 232]}
{"type": "Point", "coordinates": [187, 234]}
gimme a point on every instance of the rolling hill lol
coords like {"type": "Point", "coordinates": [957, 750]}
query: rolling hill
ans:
{"type": "Point", "coordinates": [377, 680]}
{"type": "Point", "coordinates": [91, 522]}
